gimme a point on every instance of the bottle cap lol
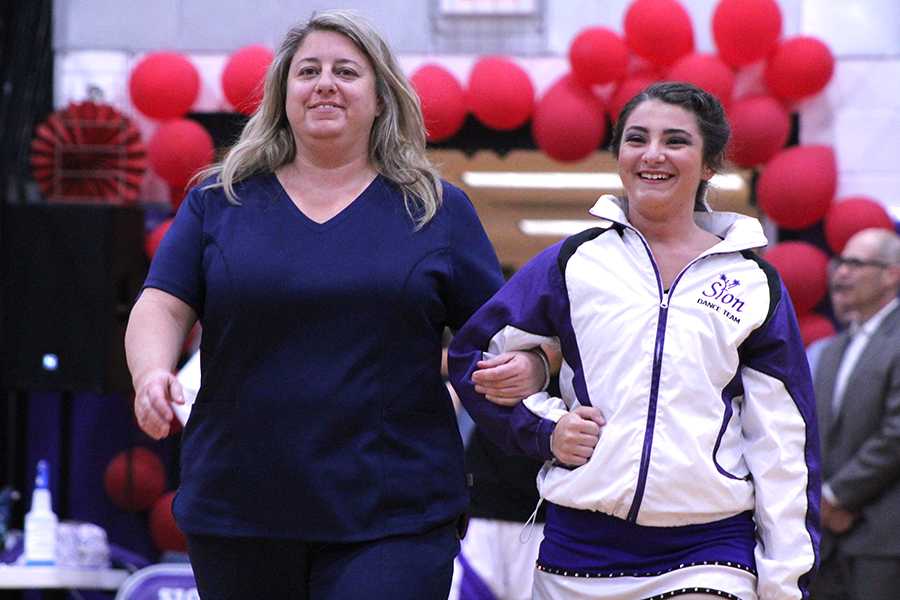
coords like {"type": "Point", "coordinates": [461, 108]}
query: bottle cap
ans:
{"type": "Point", "coordinates": [42, 478]}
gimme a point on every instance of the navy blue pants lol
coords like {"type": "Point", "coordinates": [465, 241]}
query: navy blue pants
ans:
{"type": "Point", "coordinates": [413, 567]}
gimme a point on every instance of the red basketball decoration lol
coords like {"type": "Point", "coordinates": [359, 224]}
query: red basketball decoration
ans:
{"type": "Point", "coordinates": [443, 101]}
{"type": "Point", "coordinates": [628, 89]}
{"type": "Point", "coordinates": [569, 123]}
{"type": "Point", "coordinates": [804, 269]}
{"type": "Point", "coordinates": [799, 67]}
{"type": "Point", "coordinates": [166, 535]}
{"type": "Point", "coordinates": [134, 479]}
{"type": "Point", "coordinates": [164, 85]}
{"type": "Point", "coordinates": [153, 239]}
{"type": "Point", "coordinates": [746, 30]}
{"type": "Point", "coordinates": [88, 152]}
{"type": "Point", "coordinates": [500, 93]}
{"type": "Point", "coordinates": [178, 150]}
{"type": "Point", "coordinates": [851, 215]}
{"type": "Point", "coordinates": [598, 55]}
{"type": "Point", "coordinates": [797, 186]}
{"type": "Point", "coordinates": [706, 71]}
{"type": "Point", "coordinates": [243, 77]}
{"type": "Point", "coordinates": [659, 30]}
{"type": "Point", "coordinates": [814, 326]}
{"type": "Point", "coordinates": [760, 127]}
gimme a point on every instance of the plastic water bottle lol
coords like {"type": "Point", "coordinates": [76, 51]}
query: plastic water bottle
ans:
{"type": "Point", "coordinates": [41, 521]}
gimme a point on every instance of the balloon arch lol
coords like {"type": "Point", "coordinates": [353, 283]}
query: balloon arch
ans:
{"type": "Point", "coordinates": [795, 186]}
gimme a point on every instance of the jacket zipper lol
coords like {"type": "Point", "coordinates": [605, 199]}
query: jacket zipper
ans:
{"type": "Point", "coordinates": [654, 381]}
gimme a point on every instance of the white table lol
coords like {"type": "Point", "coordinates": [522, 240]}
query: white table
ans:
{"type": "Point", "coordinates": [21, 577]}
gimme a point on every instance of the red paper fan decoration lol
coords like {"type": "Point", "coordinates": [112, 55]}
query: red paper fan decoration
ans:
{"type": "Point", "coordinates": [88, 152]}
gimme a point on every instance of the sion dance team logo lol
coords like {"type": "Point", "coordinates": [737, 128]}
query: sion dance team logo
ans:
{"type": "Point", "coordinates": [722, 297]}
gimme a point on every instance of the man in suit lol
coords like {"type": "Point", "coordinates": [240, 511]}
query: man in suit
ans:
{"type": "Point", "coordinates": [857, 384]}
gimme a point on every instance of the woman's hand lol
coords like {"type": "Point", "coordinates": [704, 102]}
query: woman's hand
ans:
{"type": "Point", "coordinates": [576, 434]}
{"type": "Point", "coordinates": [156, 330]}
{"type": "Point", "coordinates": [155, 394]}
{"type": "Point", "coordinates": [509, 377]}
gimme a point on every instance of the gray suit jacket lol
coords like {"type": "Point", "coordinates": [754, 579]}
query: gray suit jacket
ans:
{"type": "Point", "coordinates": [861, 444]}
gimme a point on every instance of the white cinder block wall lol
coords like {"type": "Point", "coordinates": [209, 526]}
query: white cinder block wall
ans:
{"type": "Point", "coordinates": [97, 43]}
{"type": "Point", "coordinates": [859, 112]}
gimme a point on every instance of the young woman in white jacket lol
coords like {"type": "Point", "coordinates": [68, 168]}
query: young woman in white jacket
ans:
{"type": "Point", "coordinates": [682, 454]}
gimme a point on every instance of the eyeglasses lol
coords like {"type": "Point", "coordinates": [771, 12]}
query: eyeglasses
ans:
{"type": "Point", "coordinates": [855, 263]}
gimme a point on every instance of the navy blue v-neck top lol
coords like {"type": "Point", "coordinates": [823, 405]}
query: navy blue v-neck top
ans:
{"type": "Point", "coordinates": [322, 414]}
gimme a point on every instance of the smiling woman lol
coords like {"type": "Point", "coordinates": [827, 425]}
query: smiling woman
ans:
{"type": "Point", "coordinates": [331, 92]}
{"type": "Point", "coordinates": [682, 451]}
{"type": "Point", "coordinates": [331, 105]}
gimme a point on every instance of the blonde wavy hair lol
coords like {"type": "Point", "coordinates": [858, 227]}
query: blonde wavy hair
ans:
{"type": "Point", "coordinates": [396, 142]}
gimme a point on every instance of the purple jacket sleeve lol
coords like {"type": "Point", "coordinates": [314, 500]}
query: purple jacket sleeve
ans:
{"type": "Point", "coordinates": [530, 308]}
{"type": "Point", "coordinates": [782, 451]}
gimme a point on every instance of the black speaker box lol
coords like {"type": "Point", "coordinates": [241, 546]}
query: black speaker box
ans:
{"type": "Point", "coordinates": [71, 274]}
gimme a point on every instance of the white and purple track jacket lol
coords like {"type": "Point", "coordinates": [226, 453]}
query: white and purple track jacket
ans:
{"type": "Point", "coordinates": [705, 386]}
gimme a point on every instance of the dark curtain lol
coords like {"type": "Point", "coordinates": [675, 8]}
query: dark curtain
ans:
{"type": "Point", "coordinates": [26, 98]}
{"type": "Point", "coordinates": [26, 85]}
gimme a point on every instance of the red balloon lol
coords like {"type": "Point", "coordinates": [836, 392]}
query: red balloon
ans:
{"type": "Point", "coordinates": [153, 239]}
{"type": "Point", "coordinates": [799, 67]}
{"type": "Point", "coordinates": [176, 196]}
{"type": "Point", "coordinates": [625, 91]}
{"type": "Point", "coordinates": [244, 76]}
{"type": "Point", "coordinates": [851, 215]}
{"type": "Point", "coordinates": [164, 85]}
{"type": "Point", "coordinates": [165, 533]}
{"type": "Point", "coordinates": [706, 71]}
{"type": "Point", "coordinates": [638, 67]}
{"type": "Point", "coordinates": [568, 123]}
{"type": "Point", "coordinates": [797, 186]}
{"type": "Point", "coordinates": [134, 479]}
{"type": "Point", "coordinates": [443, 101]}
{"type": "Point", "coordinates": [746, 30]}
{"type": "Point", "coordinates": [814, 326]}
{"type": "Point", "coordinates": [500, 93]}
{"type": "Point", "coordinates": [659, 30]}
{"type": "Point", "coordinates": [804, 269]}
{"type": "Point", "coordinates": [760, 127]}
{"type": "Point", "coordinates": [598, 55]}
{"type": "Point", "coordinates": [178, 150]}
